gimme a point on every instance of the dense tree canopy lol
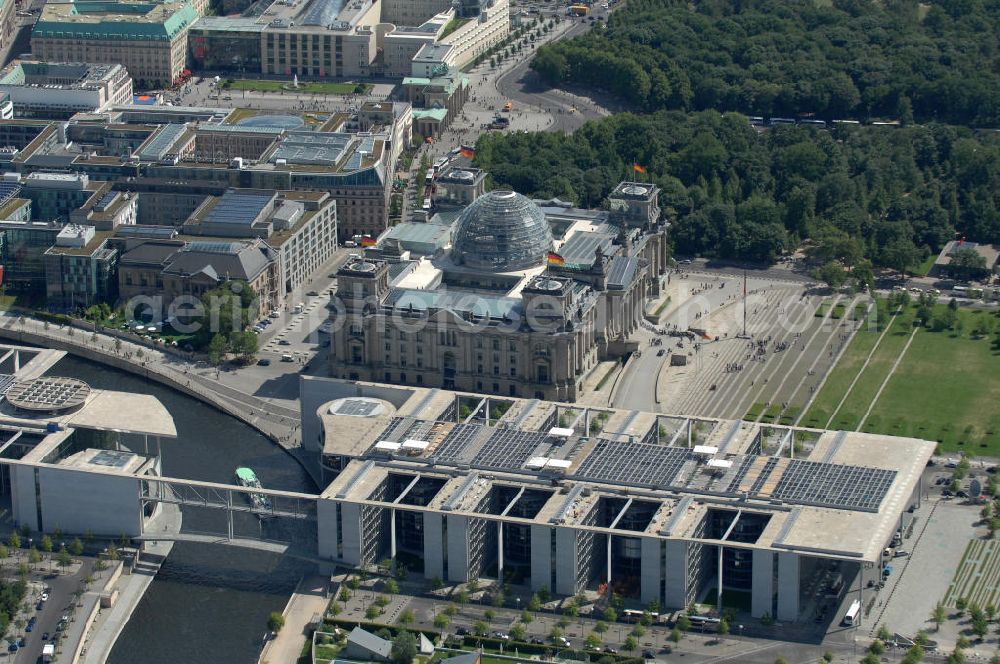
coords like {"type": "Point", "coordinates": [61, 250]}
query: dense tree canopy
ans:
{"type": "Point", "coordinates": [846, 58]}
{"type": "Point", "coordinates": [892, 196]}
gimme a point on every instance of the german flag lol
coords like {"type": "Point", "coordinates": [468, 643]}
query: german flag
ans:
{"type": "Point", "coordinates": [556, 260]}
{"type": "Point", "coordinates": [467, 152]}
{"type": "Point", "coordinates": [368, 241]}
{"type": "Point", "coordinates": [638, 168]}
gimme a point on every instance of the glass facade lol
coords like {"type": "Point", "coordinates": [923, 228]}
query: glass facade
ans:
{"type": "Point", "coordinates": [502, 231]}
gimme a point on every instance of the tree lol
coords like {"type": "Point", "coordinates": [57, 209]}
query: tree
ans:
{"type": "Point", "coordinates": [610, 615]}
{"type": "Point", "coordinates": [372, 612]}
{"type": "Point", "coordinates": [335, 609]}
{"type": "Point", "coordinates": [391, 586]}
{"type": "Point", "coordinates": [980, 626]}
{"type": "Point", "coordinates": [63, 558]}
{"type": "Point", "coordinates": [404, 648]}
{"type": "Point", "coordinates": [275, 621]}
{"type": "Point", "coordinates": [780, 660]}
{"type": "Point", "coordinates": [489, 614]}
{"type": "Point", "coordinates": [534, 603]}
{"type": "Point", "coordinates": [526, 617]}
{"type": "Point", "coordinates": [76, 547]}
{"type": "Point", "coordinates": [14, 540]}
{"type": "Point", "coordinates": [961, 604]}
{"type": "Point", "coordinates": [593, 641]}
{"type": "Point", "coordinates": [631, 644]}
{"type": "Point", "coordinates": [723, 627]}
{"type": "Point", "coordinates": [600, 627]}
{"type": "Point", "coordinates": [34, 557]}
{"type": "Point", "coordinates": [406, 617]}
{"type": "Point", "coordinates": [441, 621]}
{"type": "Point", "coordinates": [481, 628]}
{"type": "Point", "coordinates": [938, 615]}
{"type": "Point", "coordinates": [517, 632]}
{"type": "Point", "coordinates": [876, 648]}
{"type": "Point", "coordinates": [832, 274]}
{"type": "Point", "coordinates": [683, 623]}
{"type": "Point", "coordinates": [245, 345]}
{"type": "Point", "coordinates": [883, 633]}
{"type": "Point", "coordinates": [962, 642]}
{"type": "Point", "coordinates": [638, 631]}
{"type": "Point", "coordinates": [967, 262]}
{"type": "Point", "coordinates": [46, 544]}
{"type": "Point", "coordinates": [344, 595]}
{"type": "Point", "coordinates": [555, 634]}
{"type": "Point", "coordinates": [676, 635]}
{"type": "Point", "coordinates": [216, 350]}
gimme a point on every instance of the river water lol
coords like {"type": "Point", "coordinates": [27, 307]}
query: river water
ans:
{"type": "Point", "coordinates": [209, 603]}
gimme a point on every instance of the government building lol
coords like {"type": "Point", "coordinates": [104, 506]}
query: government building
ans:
{"type": "Point", "coordinates": [511, 297]}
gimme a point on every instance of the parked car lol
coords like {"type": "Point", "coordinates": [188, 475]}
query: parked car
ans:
{"type": "Point", "coordinates": [284, 342]}
{"type": "Point", "coordinates": [263, 362]}
{"type": "Point", "coordinates": [45, 636]}
{"type": "Point", "coordinates": [44, 597]}
{"type": "Point", "coordinates": [899, 553]}
{"type": "Point", "coordinates": [610, 650]}
{"type": "Point", "coordinates": [961, 494]}
{"type": "Point", "coordinates": [12, 647]}
{"type": "Point", "coordinates": [648, 654]}
{"type": "Point", "coordinates": [312, 293]}
{"type": "Point", "coordinates": [661, 352]}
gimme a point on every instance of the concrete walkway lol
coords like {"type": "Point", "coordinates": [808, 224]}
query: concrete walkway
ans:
{"type": "Point", "coordinates": [308, 601]}
{"type": "Point", "coordinates": [101, 637]}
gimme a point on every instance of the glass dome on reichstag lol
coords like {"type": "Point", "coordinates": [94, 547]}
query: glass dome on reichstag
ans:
{"type": "Point", "coordinates": [502, 231]}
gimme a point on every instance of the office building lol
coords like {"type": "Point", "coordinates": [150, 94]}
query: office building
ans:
{"type": "Point", "coordinates": [564, 498]}
{"type": "Point", "coordinates": [149, 39]}
{"type": "Point", "coordinates": [58, 90]}
{"type": "Point", "coordinates": [80, 269]}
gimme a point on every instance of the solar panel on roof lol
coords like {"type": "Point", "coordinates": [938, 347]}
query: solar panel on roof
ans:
{"type": "Point", "coordinates": [322, 12]}
{"type": "Point", "coordinates": [9, 190]}
{"type": "Point", "coordinates": [833, 485]}
{"type": "Point", "coordinates": [105, 201]}
{"type": "Point", "coordinates": [509, 448]}
{"type": "Point", "coordinates": [214, 247]}
{"type": "Point", "coordinates": [451, 447]}
{"type": "Point", "coordinates": [163, 232]}
{"type": "Point", "coordinates": [234, 208]}
{"type": "Point", "coordinates": [111, 458]}
{"type": "Point", "coordinates": [633, 463]}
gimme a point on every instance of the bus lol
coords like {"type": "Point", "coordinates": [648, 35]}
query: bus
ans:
{"type": "Point", "coordinates": [704, 623]}
{"type": "Point", "coordinates": [439, 165]}
{"type": "Point", "coordinates": [853, 613]}
{"type": "Point", "coordinates": [427, 204]}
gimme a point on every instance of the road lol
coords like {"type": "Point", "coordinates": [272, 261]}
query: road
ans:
{"type": "Point", "coordinates": [60, 603]}
{"type": "Point", "coordinates": [521, 85]}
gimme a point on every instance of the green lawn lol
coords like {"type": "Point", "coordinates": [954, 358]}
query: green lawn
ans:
{"type": "Point", "coordinates": [839, 380]}
{"type": "Point", "coordinates": [304, 86]}
{"type": "Point", "coordinates": [944, 389]}
{"type": "Point", "coordinates": [925, 266]}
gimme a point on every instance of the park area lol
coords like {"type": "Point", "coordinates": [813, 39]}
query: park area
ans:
{"type": "Point", "coordinates": [303, 87]}
{"type": "Point", "coordinates": [935, 381]}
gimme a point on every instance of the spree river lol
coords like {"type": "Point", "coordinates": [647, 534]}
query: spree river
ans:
{"type": "Point", "coordinates": [209, 602]}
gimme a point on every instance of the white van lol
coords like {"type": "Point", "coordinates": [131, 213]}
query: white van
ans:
{"type": "Point", "coordinates": [287, 357]}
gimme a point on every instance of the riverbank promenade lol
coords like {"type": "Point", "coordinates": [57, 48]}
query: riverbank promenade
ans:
{"type": "Point", "coordinates": [279, 422]}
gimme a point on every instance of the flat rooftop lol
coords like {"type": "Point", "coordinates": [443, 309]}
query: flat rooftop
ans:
{"type": "Point", "coordinates": [91, 459]}
{"type": "Point", "coordinates": [841, 498]}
